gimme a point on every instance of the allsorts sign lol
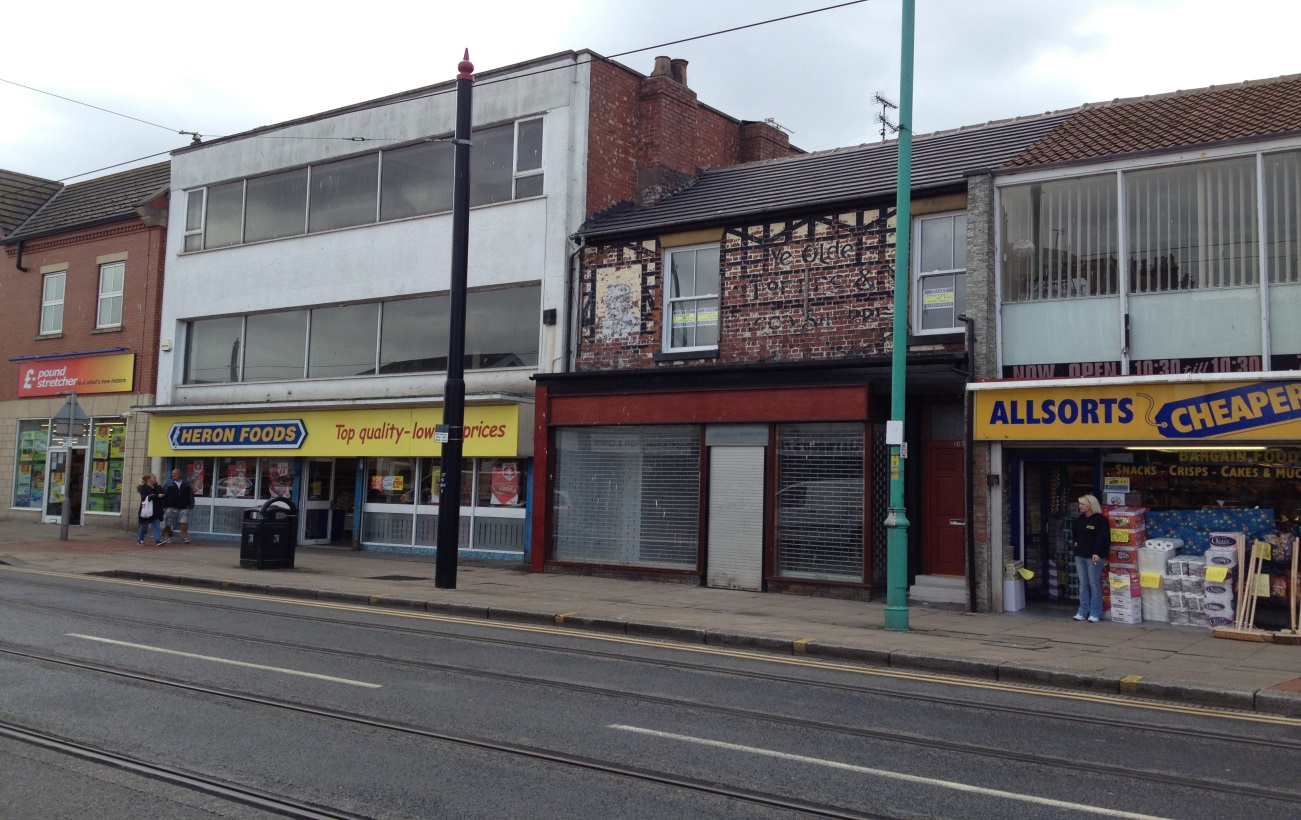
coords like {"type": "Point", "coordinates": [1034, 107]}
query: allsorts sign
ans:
{"type": "Point", "coordinates": [1133, 412]}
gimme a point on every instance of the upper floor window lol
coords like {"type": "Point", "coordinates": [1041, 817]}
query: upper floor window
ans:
{"type": "Point", "coordinates": [109, 312]}
{"type": "Point", "coordinates": [691, 304]}
{"type": "Point", "coordinates": [940, 270]}
{"type": "Point", "coordinates": [1060, 239]}
{"type": "Point", "coordinates": [52, 285]}
{"type": "Point", "coordinates": [412, 180]}
{"type": "Point", "coordinates": [399, 336]}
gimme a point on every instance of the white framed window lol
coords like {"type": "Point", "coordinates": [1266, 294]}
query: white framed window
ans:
{"type": "Point", "coordinates": [111, 278]}
{"type": "Point", "coordinates": [528, 158]}
{"type": "Point", "coordinates": [939, 272]}
{"type": "Point", "coordinates": [52, 285]}
{"type": "Point", "coordinates": [194, 202]}
{"type": "Point", "coordinates": [691, 303]}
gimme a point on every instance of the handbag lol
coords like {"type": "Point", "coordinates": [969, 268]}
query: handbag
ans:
{"type": "Point", "coordinates": [147, 508]}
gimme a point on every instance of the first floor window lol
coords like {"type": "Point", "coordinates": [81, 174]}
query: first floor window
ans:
{"type": "Point", "coordinates": [939, 293]}
{"type": "Point", "coordinates": [52, 302]}
{"type": "Point", "coordinates": [111, 279]}
{"type": "Point", "coordinates": [691, 303]}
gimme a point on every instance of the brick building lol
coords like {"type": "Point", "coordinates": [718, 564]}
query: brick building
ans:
{"type": "Point", "coordinates": [724, 423]}
{"type": "Point", "coordinates": [81, 288]}
{"type": "Point", "coordinates": [330, 237]}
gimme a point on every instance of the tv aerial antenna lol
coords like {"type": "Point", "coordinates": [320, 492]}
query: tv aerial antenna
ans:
{"type": "Point", "coordinates": [883, 118]}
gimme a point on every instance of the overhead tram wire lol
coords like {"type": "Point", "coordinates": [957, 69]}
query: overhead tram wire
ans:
{"type": "Point", "coordinates": [197, 135]}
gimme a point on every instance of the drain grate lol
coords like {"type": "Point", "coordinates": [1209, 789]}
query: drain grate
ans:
{"type": "Point", "coordinates": [399, 578]}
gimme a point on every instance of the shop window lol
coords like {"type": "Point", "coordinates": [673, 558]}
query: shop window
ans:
{"type": "Point", "coordinates": [111, 279]}
{"type": "Point", "coordinates": [52, 285]}
{"type": "Point", "coordinates": [391, 481]}
{"type": "Point", "coordinates": [820, 502]}
{"type": "Point", "coordinates": [199, 473]}
{"type": "Point", "coordinates": [628, 496]}
{"type": "Point", "coordinates": [691, 304]}
{"type": "Point", "coordinates": [1060, 240]}
{"type": "Point", "coordinates": [236, 478]}
{"type": "Point", "coordinates": [502, 482]}
{"type": "Point", "coordinates": [343, 341]}
{"type": "Point", "coordinates": [344, 193]}
{"type": "Point", "coordinates": [29, 472]}
{"type": "Point", "coordinates": [275, 205]}
{"type": "Point", "coordinates": [107, 464]}
{"type": "Point", "coordinates": [940, 275]}
{"type": "Point", "coordinates": [275, 346]}
{"type": "Point", "coordinates": [277, 478]}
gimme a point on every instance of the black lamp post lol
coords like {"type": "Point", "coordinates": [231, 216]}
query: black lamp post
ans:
{"type": "Point", "coordinates": [453, 427]}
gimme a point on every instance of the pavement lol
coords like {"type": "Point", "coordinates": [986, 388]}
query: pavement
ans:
{"type": "Point", "coordinates": [1037, 646]}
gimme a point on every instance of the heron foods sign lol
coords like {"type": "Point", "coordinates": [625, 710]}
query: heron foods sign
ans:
{"type": "Point", "coordinates": [488, 431]}
{"type": "Point", "coordinates": [1180, 412]}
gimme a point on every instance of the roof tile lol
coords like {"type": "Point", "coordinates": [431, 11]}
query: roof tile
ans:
{"type": "Point", "coordinates": [96, 200]}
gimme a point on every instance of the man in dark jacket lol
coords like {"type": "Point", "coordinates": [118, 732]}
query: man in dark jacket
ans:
{"type": "Point", "coordinates": [178, 498]}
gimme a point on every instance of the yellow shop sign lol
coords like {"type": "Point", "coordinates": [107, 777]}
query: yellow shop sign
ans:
{"type": "Point", "coordinates": [1183, 411]}
{"type": "Point", "coordinates": [405, 431]}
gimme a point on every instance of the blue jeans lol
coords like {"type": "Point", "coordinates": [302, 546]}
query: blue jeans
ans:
{"type": "Point", "coordinates": [1090, 573]}
{"type": "Point", "coordinates": [144, 525]}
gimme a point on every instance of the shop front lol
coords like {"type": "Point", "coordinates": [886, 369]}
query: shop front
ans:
{"type": "Point", "coordinates": [1182, 466]}
{"type": "Point", "coordinates": [82, 452]}
{"type": "Point", "coordinates": [361, 478]}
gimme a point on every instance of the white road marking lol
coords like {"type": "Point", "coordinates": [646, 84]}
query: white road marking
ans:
{"type": "Point", "coordinates": [907, 778]}
{"type": "Point", "coordinates": [225, 660]}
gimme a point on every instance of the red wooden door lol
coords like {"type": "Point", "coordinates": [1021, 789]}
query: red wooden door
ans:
{"type": "Point", "coordinates": [944, 526]}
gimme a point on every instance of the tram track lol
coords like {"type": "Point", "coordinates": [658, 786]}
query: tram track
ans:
{"type": "Point", "coordinates": [794, 722]}
{"type": "Point", "coordinates": [215, 787]}
{"type": "Point", "coordinates": [516, 750]}
{"type": "Point", "coordinates": [1019, 710]}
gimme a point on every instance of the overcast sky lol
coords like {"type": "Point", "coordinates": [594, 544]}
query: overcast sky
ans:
{"type": "Point", "coordinates": [222, 68]}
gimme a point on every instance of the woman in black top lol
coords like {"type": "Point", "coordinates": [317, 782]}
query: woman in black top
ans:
{"type": "Point", "coordinates": [1090, 541]}
{"type": "Point", "coordinates": [149, 489]}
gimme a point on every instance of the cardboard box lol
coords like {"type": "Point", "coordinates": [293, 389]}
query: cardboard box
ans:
{"type": "Point", "coordinates": [1128, 536]}
{"type": "Point", "coordinates": [1123, 559]}
{"type": "Point", "coordinates": [1013, 595]}
{"type": "Point", "coordinates": [1126, 518]}
{"type": "Point", "coordinates": [1124, 585]}
{"type": "Point", "coordinates": [1132, 614]}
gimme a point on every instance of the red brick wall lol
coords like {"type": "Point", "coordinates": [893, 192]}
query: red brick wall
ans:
{"type": "Point", "coordinates": [638, 122]}
{"type": "Point", "coordinates": [612, 140]}
{"type": "Point", "coordinates": [794, 290]}
{"type": "Point", "coordinates": [141, 298]}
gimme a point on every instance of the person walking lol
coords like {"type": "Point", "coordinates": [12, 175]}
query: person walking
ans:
{"type": "Point", "coordinates": [151, 508]}
{"type": "Point", "coordinates": [178, 498]}
{"type": "Point", "coordinates": [1090, 541]}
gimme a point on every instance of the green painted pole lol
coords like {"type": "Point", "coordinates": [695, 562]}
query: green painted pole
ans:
{"type": "Point", "coordinates": [896, 565]}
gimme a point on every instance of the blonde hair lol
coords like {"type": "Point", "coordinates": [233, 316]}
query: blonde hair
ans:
{"type": "Point", "coordinates": [1091, 503]}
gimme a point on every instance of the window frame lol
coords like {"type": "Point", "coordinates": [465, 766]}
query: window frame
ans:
{"type": "Point", "coordinates": [919, 276]}
{"type": "Point", "coordinates": [518, 177]}
{"type": "Point", "coordinates": [100, 324]}
{"type": "Point", "coordinates": [671, 299]}
{"type": "Point", "coordinates": [48, 303]}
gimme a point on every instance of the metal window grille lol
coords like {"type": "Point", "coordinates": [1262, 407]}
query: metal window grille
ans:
{"type": "Point", "coordinates": [628, 495]}
{"type": "Point", "coordinates": [820, 501]}
{"type": "Point", "coordinates": [880, 501]}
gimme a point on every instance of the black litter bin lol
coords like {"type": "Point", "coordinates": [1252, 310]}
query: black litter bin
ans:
{"type": "Point", "coordinates": [269, 536]}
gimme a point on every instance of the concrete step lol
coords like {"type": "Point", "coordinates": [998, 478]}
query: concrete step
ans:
{"type": "Point", "coordinates": [938, 589]}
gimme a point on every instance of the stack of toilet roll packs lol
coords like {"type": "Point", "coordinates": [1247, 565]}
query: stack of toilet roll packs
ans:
{"type": "Point", "coordinates": [1153, 567]}
{"type": "Point", "coordinates": [1219, 601]}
